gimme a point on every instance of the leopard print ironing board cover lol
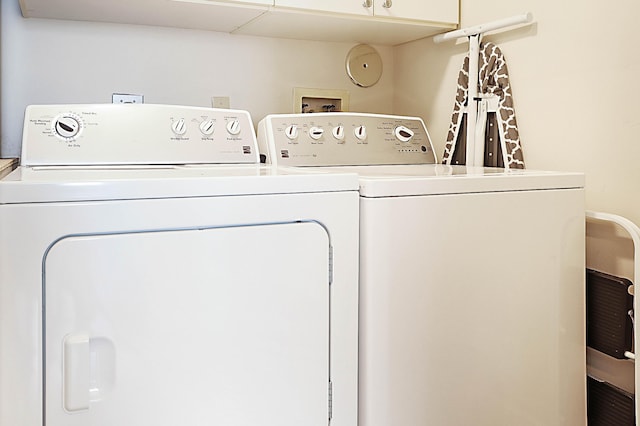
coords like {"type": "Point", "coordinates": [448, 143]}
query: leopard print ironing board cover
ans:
{"type": "Point", "coordinates": [493, 79]}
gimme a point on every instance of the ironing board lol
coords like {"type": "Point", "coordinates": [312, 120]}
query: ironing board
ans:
{"type": "Point", "coordinates": [487, 133]}
{"type": "Point", "coordinates": [496, 123]}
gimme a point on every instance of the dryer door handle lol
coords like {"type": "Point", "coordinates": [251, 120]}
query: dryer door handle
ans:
{"type": "Point", "coordinates": [76, 375]}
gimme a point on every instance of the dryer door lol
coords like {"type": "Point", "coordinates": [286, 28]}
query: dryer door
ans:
{"type": "Point", "coordinates": [221, 326]}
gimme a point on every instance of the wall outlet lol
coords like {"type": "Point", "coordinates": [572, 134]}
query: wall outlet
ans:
{"type": "Point", "coordinates": [125, 98]}
{"type": "Point", "coordinates": [220, 102]}
{"type": "Point", "coordinates": [319, 100]}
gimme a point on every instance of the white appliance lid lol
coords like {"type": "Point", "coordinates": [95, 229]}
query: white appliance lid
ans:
{"type": "Point", "coordinates": [71, 183]}
{"type": "Point", "coordinates": [434, 179]}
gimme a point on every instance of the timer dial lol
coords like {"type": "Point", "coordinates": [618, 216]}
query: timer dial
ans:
{"type": "Point", "coordinates": [67, 126]}
{"type": "Point", "coordinates": [403, 133]}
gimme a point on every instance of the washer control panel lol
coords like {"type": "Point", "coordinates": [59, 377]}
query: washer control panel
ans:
{"type": "Point", "coordinates": [115, 134]}
{"type": "Point", "coordinates": [344, 139]}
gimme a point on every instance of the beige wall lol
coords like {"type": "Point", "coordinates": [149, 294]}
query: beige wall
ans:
{"type": "Point", "coordinates": [575, 76]}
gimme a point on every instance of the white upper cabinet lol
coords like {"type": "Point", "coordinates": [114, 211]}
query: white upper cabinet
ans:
{"type": "Point", "coordinates": [386, 22]}
{"type": "Point", "coordinates": [355, 7]}
{"type": "Point", "coordinates": [435, 11]}
{"type": "Point", "coordinates": [223, 16]}
{"type": "Point", "coordinates": [424, 10]}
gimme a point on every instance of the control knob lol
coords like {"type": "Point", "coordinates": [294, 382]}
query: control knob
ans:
{"type": "Point", "coordinates": [179, 127]}
{"type": "Point", "coordinates": [403, 133]}
{"type": "Point", "coordinates": [360, 132]}
{"type": "Point", "coordinates": [207, 126]}
{"type": "Point", "coordinates": [291, 131]}
{"type": "Point", "coordinates": [67, 126]}
{"type": "Point", "coordinates": [338, 132]}
{"type": "Point", "coordinates": [233, 127]}
{"type": "Point", "coordinates": [316, 132]}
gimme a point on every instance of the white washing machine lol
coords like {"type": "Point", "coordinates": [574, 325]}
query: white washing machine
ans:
{"type": "Point", "coordinates": [140, 284]}
{"type": "Point", "coordinates": [471, 279]}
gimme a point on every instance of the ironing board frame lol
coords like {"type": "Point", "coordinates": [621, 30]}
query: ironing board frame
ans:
{"type": "Point", "coordinates": [475, 152]}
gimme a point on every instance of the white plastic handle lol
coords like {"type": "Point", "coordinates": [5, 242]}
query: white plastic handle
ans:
{"type": "Point", "coordinates": [76, 372]}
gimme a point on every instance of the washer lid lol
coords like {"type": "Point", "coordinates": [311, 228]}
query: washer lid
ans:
{"type": "Point", "coordinates": [71, 183]}
{"type": "Point", "coordinates": [433, 179]}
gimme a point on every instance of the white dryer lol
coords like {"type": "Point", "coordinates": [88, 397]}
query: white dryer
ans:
{"type": "Point", "coordinates": [141, 284]}
{"type": "Point", "coordinates": [471, 279]}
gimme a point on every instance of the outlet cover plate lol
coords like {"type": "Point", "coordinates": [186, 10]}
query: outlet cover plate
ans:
{"type": "Point", "coordinates": [126, 98]}
{"type": "Point", "coordinates": [220, 102]}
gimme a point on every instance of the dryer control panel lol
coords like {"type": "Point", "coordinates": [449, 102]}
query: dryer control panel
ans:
{"type": "Point", "coordinates": [140, 134]}
{"type": "Point", "coordinates": [344, 139]}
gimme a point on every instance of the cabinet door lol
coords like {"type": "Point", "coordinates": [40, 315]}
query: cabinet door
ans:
{"type": "Point", "coordinates": [267, 2]}
{"type": "Point", "coordinates": [352, 7]}
{"type": "Point", "coordinates": [416, 10]}
{"type": "Point", "coordinates": [421, 10]}
{"type": "Point", "coordinates": [197, 14]}
{"type": "Point", "coordinates": [222, 326]}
